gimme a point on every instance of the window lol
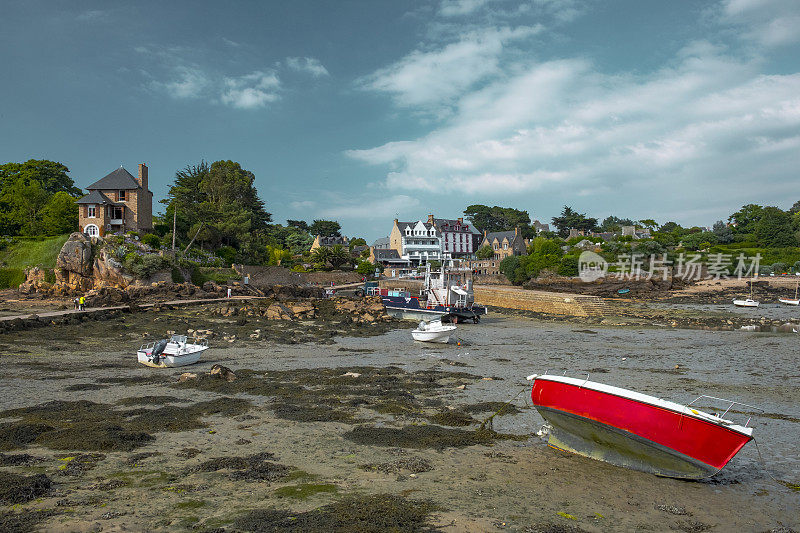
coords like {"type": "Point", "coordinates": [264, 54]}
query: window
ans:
{"type": "Point", "coordinates": [121, 196]}
{"type": "Point", "coordinates": [505, 246]}
{"type": "Point", "coordinates": [91, 212]}
{"type": "Point", "coordinates": [116, 213]}
{"type": "Point", "coordinates": [91, 230]}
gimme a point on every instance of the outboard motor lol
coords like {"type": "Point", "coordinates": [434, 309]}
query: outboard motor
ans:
{"type": "Point", "coordinates": [158, 349]}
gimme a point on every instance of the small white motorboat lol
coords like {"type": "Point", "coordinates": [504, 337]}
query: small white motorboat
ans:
{"type": "Point", "coordinates": [747, 302]}
{"type": "Point", "coordinates": [791, 301]}
{"type": "Point", "coordinates": [177, 351]}
{"type": "Point", "coordinates": [433, 331]}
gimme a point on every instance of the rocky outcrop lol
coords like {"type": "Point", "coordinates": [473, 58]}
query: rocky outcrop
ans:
{"type": "Point", "coordinates": [76, 255]}
{"type": "Point", "coordinates": [369, 309]}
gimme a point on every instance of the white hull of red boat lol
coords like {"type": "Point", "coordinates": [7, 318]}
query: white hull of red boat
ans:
{"type": "Point", "coordinates": [745, 303]}
{"type": "Point", "coordinates": [789, 301]}
{"type": "Point", "coordinates": [635, 430]}
{"type": "Point", "coordinates": [433, 331]}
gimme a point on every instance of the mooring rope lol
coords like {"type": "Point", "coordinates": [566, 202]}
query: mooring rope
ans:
{"type": "Point", "coordinates": [489, 419]}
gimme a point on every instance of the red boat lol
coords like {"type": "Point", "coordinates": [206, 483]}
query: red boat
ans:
{"type": "Point", "coordinates": [635, 430]}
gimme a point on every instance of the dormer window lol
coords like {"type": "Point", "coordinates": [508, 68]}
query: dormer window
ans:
{"type": "Point", "coordinates": [91, 211]}
{"type": "Point", "coordinates": [121, 196]}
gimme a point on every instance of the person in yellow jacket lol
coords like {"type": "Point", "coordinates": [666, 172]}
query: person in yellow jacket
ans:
{"type": "Point", "coordinates": [82, 303]}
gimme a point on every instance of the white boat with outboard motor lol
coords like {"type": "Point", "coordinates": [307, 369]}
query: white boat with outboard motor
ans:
{"type": "Point", "coordinates": [791, 301]}
{"type": "Point", "coordinates": [747, 302]}
{"type": "Point", "coordinates": [433, 331]}
{"type": "Point", "coordinates": [179, 350]}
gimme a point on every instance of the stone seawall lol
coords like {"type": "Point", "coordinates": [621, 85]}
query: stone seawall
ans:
{"type": "Point", "coordinates": [550, 303]}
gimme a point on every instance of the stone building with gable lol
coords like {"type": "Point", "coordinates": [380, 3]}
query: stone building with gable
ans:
{"type": "Point", "coordinates": [117, 203]}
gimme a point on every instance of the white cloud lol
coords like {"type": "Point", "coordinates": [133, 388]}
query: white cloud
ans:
{"type": "Point", "coordinates": [362, 207]}
{"type": "Point", "coordinates": [188, 82]}
{"type": "Point", "coordinates": [308, 65]}
{"type": "Point", "coordinates": [767, 22]}
{"type": "Point", "coordinates": [436, 77]}
{"type": "Point", "coordinates": [303, 205]}
{"type": "Point", "coordinates": [707, 125]}
{"type": "Point", "coordinates": [93, 15]}
{"type": "Point", "coordinates": [251, 91]}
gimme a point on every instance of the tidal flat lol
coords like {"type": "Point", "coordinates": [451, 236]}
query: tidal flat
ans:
{"type": "Point", "coordinates": [335, 426]}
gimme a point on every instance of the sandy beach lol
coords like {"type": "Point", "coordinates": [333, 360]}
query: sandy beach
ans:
{"type": "Point", "coordinates": [331, 426]}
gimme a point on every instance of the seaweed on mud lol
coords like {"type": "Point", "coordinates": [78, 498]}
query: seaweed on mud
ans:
{"type": "Point", "coordinates": [256, 467]}
{"type": "Point", "coordinates": [310, 413]}
{"type": "Point", "coordinates": [499, 408]}
{"type": "Point", "coordinates": [303, 491]}
{"type": "Point", "coordinates": [24, 521]}
{"type": "Point", "coordinates": [452, 418]}
{"type": "Point", "coordinates": [85, 387]}
{"type": "Point", "coordinates": [19, 459]}
{"type": "Point", "coordinates": [77, 465]}
{"type": "Point", "coordinates": [15, 488]}
{"type": "Point", "coordinates": [137, 458]}
{"type": "Point", "coordinates": [188, 453]}
{"type": "Point", "coordinates": [554, 528]}
{"type": "Point", "coordinates": [90, 426]}
{"type": "Point", "coordinates": [149, 400]}
{"type": "Point", "coordinates": [428, 436]}
{"type": "Point", "coordinates": [415, 465]}
{"type": "Point", "coordinates": [358, 514]}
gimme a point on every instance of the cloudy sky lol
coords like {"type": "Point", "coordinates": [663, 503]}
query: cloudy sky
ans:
{"type": "Point", "coordinates": [364, 110]}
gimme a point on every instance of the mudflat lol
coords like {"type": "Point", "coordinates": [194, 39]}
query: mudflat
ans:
{"type": "Point", "coordinates": [335, 426]}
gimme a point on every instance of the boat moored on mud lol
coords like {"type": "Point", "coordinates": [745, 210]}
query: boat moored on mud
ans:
{"type": "Point", "coordinates": [446, 294]}
{"type": "Point", "coordinates": [179, 350]}
{"type": "Point", "coordinates": [635, 430]}
{"type": "Point", "coordinates": [433, 331]}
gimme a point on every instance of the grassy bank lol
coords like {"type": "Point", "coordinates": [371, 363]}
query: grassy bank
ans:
{"type": "Point", "coordinates": [27, 252]}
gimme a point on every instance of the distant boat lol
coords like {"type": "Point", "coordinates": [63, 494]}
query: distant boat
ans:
{"type": "Point", "coordinates": [433, 331]}
{"type": "Point", "coordinates": [634, 430]}
{"type": "Point", "coordinates": [790, 301]}
{"type": "Point", "coordinates": [177, 351]}
{"type": "Point", "coordinates": [747, 302]}
{"type": "Point", "coordinates": [623, 291]}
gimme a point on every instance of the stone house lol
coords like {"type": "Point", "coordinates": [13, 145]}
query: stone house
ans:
{"type": "Point", "coordinates": [506, 243]}
{"type": "Point", "coordinates": [329, 241]}
{"type": "Point", "coordinates": [117, 202]}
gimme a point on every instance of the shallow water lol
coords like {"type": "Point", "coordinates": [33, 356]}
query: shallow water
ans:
{"type": "Point", "coordinates": [769, 310]}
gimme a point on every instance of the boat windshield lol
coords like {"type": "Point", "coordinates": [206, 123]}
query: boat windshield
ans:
{"type": "Point", "coordinates": [178, 339]}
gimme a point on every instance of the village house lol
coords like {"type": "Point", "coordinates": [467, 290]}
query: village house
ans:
{"type": "Point", "coordinates": [504, 244]}
{"type": "Point", "coordinates": [329, 241]}
{"type": "Point", "coordinates": [418, 242]}
{"type": "Point", "coordinates": [458, 238]}
{"type": "Point", "coordinates": [539, 227]}
{"type": "Point", "coordinates": [117, 203]}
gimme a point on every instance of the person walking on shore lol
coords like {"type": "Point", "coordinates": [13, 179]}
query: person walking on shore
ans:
{"type": "Point", "coordinates": [82, 303]}
{"type": "Point", "coordinates": [229, 292]}
{"type": "Point", "coordinates": [75, 303]}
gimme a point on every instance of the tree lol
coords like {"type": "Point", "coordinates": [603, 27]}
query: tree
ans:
{"type": "Point", "coordinates": [484, 252]}
{"type": "Point", "coordinates": [357, 242]}
{"type": "Point", "coordinates": [25, 190]}
{"type": "Point", "coordinates": [669, 227]}
{"type": "Point", "coordinates": [648, 223]}
{"type": "Point", "coordinates": [699, 240]}
{"type": "Point", "coordinates": [222, 200]}
{"type": "Point", "coordinates": [299, 224]}
{"type": "Point", "coordinates": [339, 255]}
{"type": "Point", "coordinates": [365, 268]}
{"type": "Point", "coordinates": [795, 208]}
{"type": "Point", "coordinates": [572, 219]}
{"type": "Point", "coordinates": [326, 228]}
{"type": "Point", "coordinates": [746, 218]}
{"type": "Point", "coordinates": [614, 224]}
{"type": "Point", "coordinates": [60, 215]}
{"type": "Point", "coordinates": [775, 228]}
{"type": "Point", "coordinates": [299, 242]}
{"type": "Point", "coordinates": [723, 232]}
{"type": "Point", "coordinates": [496, 218]}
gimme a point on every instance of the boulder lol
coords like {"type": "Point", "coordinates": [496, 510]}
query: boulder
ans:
{"type": "Point", "coordinates": [278, 311]}
{"type": "Point", "coordinates": [107, 272]}
{"type": "Point", "coordinates": [76, 255]}
{"type": "Point", "coordinates": [223, 372]}
{"type": "Point", "coordinates": [186, 376]}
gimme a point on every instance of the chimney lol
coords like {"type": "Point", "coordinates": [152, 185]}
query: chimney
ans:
{"type": "Point", "coordinates": [430, 219]}
{"type": "Point", "coordinates": [395, 222]}
{"type": "Point", "coordinates": [460, 220]}
{"type": "Point", "coordinates": [516, 230]}
{"type": "Point", "coordinates": [142, 181]}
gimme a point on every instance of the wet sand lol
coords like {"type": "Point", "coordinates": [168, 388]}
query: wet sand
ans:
{"type": "Point", "coordinates": [356, 447]}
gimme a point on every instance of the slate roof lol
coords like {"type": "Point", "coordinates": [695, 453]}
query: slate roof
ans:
{"type": "Point", "coordinates": [96, 197]}
{"type": "Point", "coordinates": [119, 179]}
{"type": "Point", "coordinates": [465, 227]}
{"type": "Point", "coordinates": [387, 255]}
{"type": "Point", "coordinates": [383, 242]}
{"type": "Point", "coordinates": [499, 235]}
{"type": "Point", "coordinates": [404, 225]}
